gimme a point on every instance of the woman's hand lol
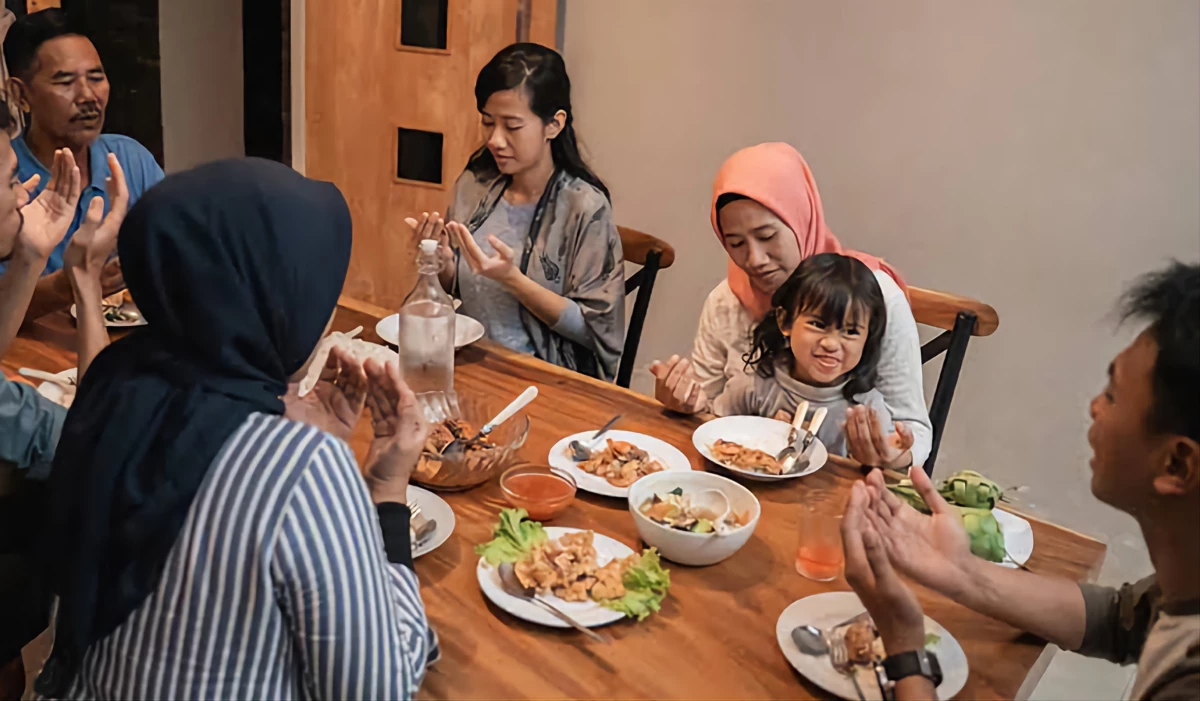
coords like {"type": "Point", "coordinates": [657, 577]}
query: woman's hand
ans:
{"type": "Point", "coordinates": [400, 432]}
{"type": "Point", "coordinates": [676, 386]}
{"type": "Point", "coordinates": [336, 402]}
{"type": "Point", "coordinates": [893, 606]}
{"type": "Point", "coordinates": [499, 267]}
{"type": "Point", "coordinates": [89, 249]}
{"type": "Point", "coordinates": [50, 214]}
{"type": "Point", "coordinates": [933, 550]}
{"type": "Point", "coordinates": [432, 226]}
{"type": "Point", "coordinates": [869, 445]}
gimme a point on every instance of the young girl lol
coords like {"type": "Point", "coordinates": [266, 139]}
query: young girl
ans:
{"type": "Point", "coordinates": [822, 343]}
{"type": "Point", "coordinates": [529, 242]}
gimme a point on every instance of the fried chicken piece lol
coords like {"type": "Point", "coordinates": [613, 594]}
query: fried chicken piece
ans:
{"type": "Point", "coordinates": [621, 463]}
{"type": "Point", "coordinates": [743, 458]}
{"type": "Point", "coordinates": [609, 580]}
{"type": "Point", "coordinates": [577, 590]}
{"type": "Point", "coordinates": [860, 641]}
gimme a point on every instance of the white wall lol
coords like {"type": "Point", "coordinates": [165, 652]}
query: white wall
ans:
{"type": "Point", "coordinates": [200, 43]}
{"type": "Point", "coordinates": [1036, 155]}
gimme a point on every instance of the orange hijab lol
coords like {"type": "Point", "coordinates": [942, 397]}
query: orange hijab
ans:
{"type": "Point", "coordinates": [776, 176]}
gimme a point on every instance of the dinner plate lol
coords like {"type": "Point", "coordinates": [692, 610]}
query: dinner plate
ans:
{"type": "Point", "coordinates": [831, 608]}
{"type": "Point", "coordinates": [56, 392]}
{"type": "Point", "coordinates": [1018, 538]}
{"type": "Point", "coordinates": [436, 508]}
{"type": "Point", "coordinates": [129, 306]}
{"type": "Point", "coordinates": [588, 613]}
{"type": "Point", "coordinates": [767, 435]}
{"type": "Point", "coordinates": [466, 330]}
{"type": "Point", "coordinates": [668, 455]}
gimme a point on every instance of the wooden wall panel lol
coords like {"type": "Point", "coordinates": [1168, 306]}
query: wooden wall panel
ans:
{"type": "Point", "coordinates": [359, 87]}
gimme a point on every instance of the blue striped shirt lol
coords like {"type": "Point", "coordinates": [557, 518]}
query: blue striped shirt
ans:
{"type": "Point", "coordinates": [278, 587]}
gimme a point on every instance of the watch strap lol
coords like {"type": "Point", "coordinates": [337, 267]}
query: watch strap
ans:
{"type": "Point", "coordinates": [913, 662]}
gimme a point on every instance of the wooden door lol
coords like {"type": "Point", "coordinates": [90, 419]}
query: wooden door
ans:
{"type": "Point", "coordinates": [362, 86]}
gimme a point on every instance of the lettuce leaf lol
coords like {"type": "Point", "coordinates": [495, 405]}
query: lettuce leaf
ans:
{"type": "Point", "coordinates": [513, 539]}
{"type": "Point", "coordinates": [646, 584]}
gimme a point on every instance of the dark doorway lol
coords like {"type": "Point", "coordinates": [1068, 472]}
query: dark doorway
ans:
{"type": "Point", "coordinates": [266, 56]}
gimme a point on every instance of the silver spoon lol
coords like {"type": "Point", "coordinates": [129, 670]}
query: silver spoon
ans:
{"type": "Point", "coordinates": [799, 461]}
{"type": "Point", "coordinates": [811, 640]}
{"type": "Point", "coordinates": [582, 452]}
{"type": "Point", "coordinates": [512, 586]}
{"type": "Point", "coordinates": [794, 434]}
{"type": "Point", "coordinates": [457, 445]}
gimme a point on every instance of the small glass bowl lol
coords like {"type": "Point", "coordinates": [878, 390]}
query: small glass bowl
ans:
{"type": "Point", "coordinates": [543, 491]}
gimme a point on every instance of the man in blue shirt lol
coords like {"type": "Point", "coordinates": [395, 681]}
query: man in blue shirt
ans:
{"type": "Point", "coordinates": [59, 83]}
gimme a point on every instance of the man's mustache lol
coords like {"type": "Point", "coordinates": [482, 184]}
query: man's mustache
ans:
{"type": "Point", "coordinates": [87, 112]}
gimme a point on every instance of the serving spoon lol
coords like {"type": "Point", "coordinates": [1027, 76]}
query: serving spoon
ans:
{"type": "Point", "coordinates": [458, 444]}
{"type": "Point", "coordinates": [513, 587]}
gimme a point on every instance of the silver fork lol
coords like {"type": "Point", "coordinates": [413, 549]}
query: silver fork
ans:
{"type": "Point", "coordinates": [839, 656]}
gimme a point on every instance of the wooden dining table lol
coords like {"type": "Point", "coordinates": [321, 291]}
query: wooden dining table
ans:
{"type": "Point", "coordinates": [715, 635]}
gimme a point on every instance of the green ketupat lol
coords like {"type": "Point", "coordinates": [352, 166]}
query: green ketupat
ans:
{"type": "Point", "coordinates": [987, 541]}
{"type": "Point", "coordinates": [971, 489]}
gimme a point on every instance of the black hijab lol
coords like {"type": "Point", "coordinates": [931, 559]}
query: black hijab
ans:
{"type": "Point", "coordinates": [237, 267]}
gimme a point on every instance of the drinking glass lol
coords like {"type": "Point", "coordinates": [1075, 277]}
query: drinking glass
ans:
{"type": "Point", "coordinates": [819, 556]}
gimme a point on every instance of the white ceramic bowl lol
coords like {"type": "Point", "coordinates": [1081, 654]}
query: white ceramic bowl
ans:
{"type": "Point", "coordinates": [684, 547]}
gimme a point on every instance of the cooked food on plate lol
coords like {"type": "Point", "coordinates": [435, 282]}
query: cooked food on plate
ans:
{"type": "Point", "coordinates": [568, 567]}
{"type": "Point", "coordinates": [444, 433]}
{"type": "Point", "coordinates": [864, 645]}
{"type": "Point", "coordinates": [739, 456]}
{"type": "Point", "coordinates": [974, 496]}
{"type": "Point", "coordinates": [114, 307]}
{"type": "Point", "coordinates": [620, 463]}
{"type": "Point", "coordinates": [675, 510]}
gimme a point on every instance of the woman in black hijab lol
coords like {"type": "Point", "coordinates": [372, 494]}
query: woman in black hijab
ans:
{"type": "Point", "coordinates": [202, 545]}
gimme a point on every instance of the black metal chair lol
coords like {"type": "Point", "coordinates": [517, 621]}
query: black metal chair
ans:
{"type": "Point", "coordinates": [960, 318]}
{"type": "Point", "coordinates": [653, 255]}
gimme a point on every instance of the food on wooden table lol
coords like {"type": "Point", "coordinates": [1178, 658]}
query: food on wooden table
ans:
{"type": "Point", "coordinates": [864, 646]}
{"type": "Point", "coordinates": [739, 456]}
{"type": "Point", "coordinates": [568, 568]}
{"type": "Point", "coordinates": [621, 463]}
{"type": "Point", "coordinates": [675, 509]}
{"type": "Point", "coordinates": [475, 451]}
{"type": "Point", "coordinates": [971, 493]}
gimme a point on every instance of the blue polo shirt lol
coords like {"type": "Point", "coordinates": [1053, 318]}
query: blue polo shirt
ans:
{"type": "Point", "coordinates": [141, 173]}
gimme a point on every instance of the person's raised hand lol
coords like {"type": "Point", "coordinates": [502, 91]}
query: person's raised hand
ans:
{"type": "Point", "coordinates": [89, 249]}
{"type": "Point", "coordinates": [676, 386]}
{"type": "Point", "coordinates": [336, 401]}
{"type": "Point", "coordinates": [432, 226]}
{"type": "Point", "coordinates": [867, 442]}
{"type": "Point", "coordinates": [400, 431]}
{"type": "Point", "coordinates": [893, 606]}
{"type": "Point", "coordinates": [934, 549]}
{"type": "Point", "coordinates": [48, 216]}
{"type": "Point", "coordinates": [498, 267]}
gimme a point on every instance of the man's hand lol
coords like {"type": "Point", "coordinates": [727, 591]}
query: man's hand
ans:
{"type": "Point", "coordinates": [88, 251]}
{"type": "Point", "coordinates": [50, 214]}
{"type": "Point", "coordinates": [867, 443]}
{"type": "Point", "coordinates": [336, 402]}
{"type": "Point", "coordinates": [400, 432]}
{"type": "Point", "coordinates": [892, 605]}
{"type": "Point", "coordinates": [933, 550]}
{"type": "Point", "coordinates": [676, 386]}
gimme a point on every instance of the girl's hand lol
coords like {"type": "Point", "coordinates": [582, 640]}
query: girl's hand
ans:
{"type": "Point", "coordinates": [432, 226]}
{"type": "Point", "coordinates": [400, 432]}
{"type": "Point", "coordinates": [676, 386]}
{"type": "Point", "coordinates": [498, 267]}
{"type": "Point", "coordinates": [869, 445]}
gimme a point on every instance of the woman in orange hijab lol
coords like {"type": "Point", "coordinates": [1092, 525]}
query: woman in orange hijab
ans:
{"type": "Point", "coordinates": [767, 213]}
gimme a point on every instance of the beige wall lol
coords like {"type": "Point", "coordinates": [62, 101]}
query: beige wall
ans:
{"type": "Point", "coordinates": [200, 43]}
{"type": "Point", "coordinates": [1036, 155]}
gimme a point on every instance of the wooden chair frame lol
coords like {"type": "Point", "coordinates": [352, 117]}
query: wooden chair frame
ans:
{"type": "Point", "coordinates": [653, 255]}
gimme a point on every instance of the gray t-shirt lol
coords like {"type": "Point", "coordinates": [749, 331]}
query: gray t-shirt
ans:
{"type": "Point", "coordinates": [754, 395]}
{"type": "Point", "coordinates": [486, 300]}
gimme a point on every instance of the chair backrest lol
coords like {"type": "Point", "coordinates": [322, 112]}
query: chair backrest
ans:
{"type": "Point", "coordinates": [652, 254]}
{"type": "Point", "coordinates": [959, 318]}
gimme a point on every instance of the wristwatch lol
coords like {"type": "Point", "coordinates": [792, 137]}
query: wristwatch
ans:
{"type": "Point", "coordinates": [907, 664]}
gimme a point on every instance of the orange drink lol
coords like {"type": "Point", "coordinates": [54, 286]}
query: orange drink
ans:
{"type": "Point", "coordinates": [819, 556]}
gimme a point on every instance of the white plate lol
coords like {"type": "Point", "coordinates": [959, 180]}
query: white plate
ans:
{"type": "Point", "coordinates": [667, 454]}
{"type": "Point", "coordinates": [831, 608]}
{"type": "Point", "coordinates": [466, 330]}
{"type": "Point", "coordinates": [1018, 538]}
{"type": "Point", "coordinates": [129, 306]}
{"type": "Point", "coordinates": [588, 613]}
{"type": "Point", "coordinates": [55, 392]}
{"type": "Point", "coordinates": [436, 508]}
{"type": "Point", "coordinates": [767, 435]}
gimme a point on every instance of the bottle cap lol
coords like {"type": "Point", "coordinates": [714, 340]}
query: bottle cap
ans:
{"type": "Point", "coordinates": [429, 246]}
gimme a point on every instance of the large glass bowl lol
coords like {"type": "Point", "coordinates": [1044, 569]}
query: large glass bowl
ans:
{"type": "Point", "coordinates": [459, 470]}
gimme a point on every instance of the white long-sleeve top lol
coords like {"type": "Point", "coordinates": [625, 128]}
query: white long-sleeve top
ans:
{"type": "Point", "coordinates": [724, 338]}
